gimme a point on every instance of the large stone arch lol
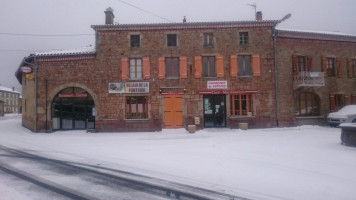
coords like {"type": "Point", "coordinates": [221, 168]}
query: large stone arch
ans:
{"type": "Point", "coordinates": [57, 89]}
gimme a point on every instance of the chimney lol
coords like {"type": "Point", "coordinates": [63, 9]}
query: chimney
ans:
{"type": "Point", "coordinates": [259, 15]}
{"type": "Point", "coordinates": [13, 89]}
{"type": "Point", "coordinates": [109, 16]}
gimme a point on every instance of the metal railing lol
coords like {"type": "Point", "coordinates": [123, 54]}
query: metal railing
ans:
{"type": "Point", "coordinates": [308, 79]}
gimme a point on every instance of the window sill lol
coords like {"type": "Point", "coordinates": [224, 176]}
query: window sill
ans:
{"type": "Point", "coordinates": [309, 117]}
{"type": "Point", "coordinates": [172, 78]}
{"type": "Point", "coordinates": [244, 76]}
{"type": "Point", "coordinates": [133, 80]}
{"type": "Point", "coordinates": [237, 117]}
{"type": "Point", "coordinates": [209, 46]}
{"type": "Point", "coordinates": [136, 120]}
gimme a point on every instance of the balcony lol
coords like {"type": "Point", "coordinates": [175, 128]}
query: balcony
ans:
{"type": "Point", "coordinates": [308, 79]}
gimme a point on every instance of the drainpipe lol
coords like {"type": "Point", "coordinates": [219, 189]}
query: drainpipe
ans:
{"type": "Point", "coordinates": [275, 33]}
{"type": "Point", "coordinates": [35, 65]}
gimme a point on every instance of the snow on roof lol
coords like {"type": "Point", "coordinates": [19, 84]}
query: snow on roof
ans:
{"type": "Point", "coordinates": [335, 33]}
{"type": "Point", "coordinates": [6, 89]}
{"type": "Point", "coordinates": [79, 51]}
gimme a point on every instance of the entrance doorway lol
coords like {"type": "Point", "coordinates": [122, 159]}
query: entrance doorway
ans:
{"type": "Point", "coordinates": [214, 111]}
{"type": "Point", "coordinates": [173, 111]}
{"type": "Point", "coordinates": [73, 108]}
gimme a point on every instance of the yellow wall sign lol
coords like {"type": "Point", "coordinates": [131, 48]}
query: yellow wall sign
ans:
{"type": "Point", "coordinates": [29, 76]}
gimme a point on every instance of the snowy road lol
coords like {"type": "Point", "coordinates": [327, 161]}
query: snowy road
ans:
{"type": "Point", "coordinates": [305, 162]}
{"type": "Point", "coordinates": [81, 182]}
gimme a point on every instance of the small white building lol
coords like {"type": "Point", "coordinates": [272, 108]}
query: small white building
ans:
{"type": "Point", "coordinates": [11, 99]}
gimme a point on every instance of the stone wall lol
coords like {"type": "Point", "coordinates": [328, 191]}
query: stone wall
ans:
{"type": "Point", "coordinates": [316, 49]}
{"type": "Point", "coordinates": [94, 72]}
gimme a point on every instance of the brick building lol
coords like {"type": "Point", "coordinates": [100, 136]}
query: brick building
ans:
{"type": "Point", "coordinates": [10, 97]}
{"type": "Point", "coordinates": [316, 75]}
{"type": "Point", "coordinates": [145, 77]}
{"type": "Point", "coordinates": [1, 108]}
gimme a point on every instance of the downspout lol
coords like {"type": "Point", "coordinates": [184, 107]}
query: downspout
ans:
{"type": "Point", "coordinates": [275, 33]}
{"type": "Point", "coordinates": [275, 74]}
{"type": "Point", "coordinates": [36, 82]}
{"type": "Point", "coordinates": [46, 106]}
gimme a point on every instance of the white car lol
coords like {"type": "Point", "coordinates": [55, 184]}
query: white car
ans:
{"type": "Point", "coordinates": [347, 114]}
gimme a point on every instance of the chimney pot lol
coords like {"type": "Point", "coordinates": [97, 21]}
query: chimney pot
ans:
{"type": "Point", "coordinates": [259, 15]}
{"type": "Point", "coordinates": [109, 16]}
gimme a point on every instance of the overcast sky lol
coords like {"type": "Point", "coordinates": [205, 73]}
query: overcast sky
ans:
{"type": "Point", "coordinates": [66, 17]}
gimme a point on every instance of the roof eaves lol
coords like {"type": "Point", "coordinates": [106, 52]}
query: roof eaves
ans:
{"type": "Point", "coordinates": [186, 25]}
{"type": "Point", "coordinates": [316, 35]}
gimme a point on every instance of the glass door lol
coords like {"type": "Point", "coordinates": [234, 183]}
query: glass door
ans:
{"type": "Point", "coordinates": [214, 111]}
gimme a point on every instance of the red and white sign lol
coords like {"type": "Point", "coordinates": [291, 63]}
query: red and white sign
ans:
{"type": "Point", "coordinates": [26, 69]}
{"type": "Point", "coordinates": [227, 92]}
{"type": "Point", "coordinates": [217, 84]}
{"type": "Point", "coordinates": [73, 95]}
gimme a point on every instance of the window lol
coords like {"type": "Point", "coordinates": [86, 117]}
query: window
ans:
{"type": "Point", "coordinates": [172, 67]}
{"type": "Point", "coordinates": [301, 64]}
{"type": "Point", "coordinates": [208, 66]}
{"type": "Point", "coordinates": [330, 67]}
{"type": "Point", "coordinates": [307, 104]}
{"type": "Point", "coordinates": [339, 101]}
{"type": "Point", "coordinates": [172, 40]}
{"type": "Point", "coordinates": [208, 39]}
{"type": "Point", "coordinates": [241, 104]}
{"type": "Point", "coordinates": [135, 41]}
{"type": "Point", "coordinates": [244, 63]}
{"type": "Point", "coordinates": [136, 108]}
{"type": "Point", "coordinates": [354, 67]}
{"type": "Point", "coordinates": [135, 69]}
{"type": "Point", "coordinates": [243, 38]}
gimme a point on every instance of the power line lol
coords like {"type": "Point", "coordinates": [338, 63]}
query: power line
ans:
{"type": "Point", "coordinates": [146, 11]}
{"type": "Point", "coordinates": [44, 35]}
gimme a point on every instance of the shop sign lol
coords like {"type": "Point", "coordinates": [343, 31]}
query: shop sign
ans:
{"type": "Point", "coordinates": [72, 95]}
{"type": "Point", "coordinates": [217, 84]}
{"type": "Point", "coordinates": [26, 69]}
{"type": "Point", "coordinates": [172, 93]}
{"type": "Point", "coordinates": [29, 76]}
{"type": "Point", "coordinates": [137, 87]}
{"type": "Point", "coordinates": [227, 92]}
{"type": "Point", "coordinates": [117, 87]}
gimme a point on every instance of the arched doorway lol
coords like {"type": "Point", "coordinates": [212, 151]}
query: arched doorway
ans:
{"type": "Point", "coordinates": [73, 108]}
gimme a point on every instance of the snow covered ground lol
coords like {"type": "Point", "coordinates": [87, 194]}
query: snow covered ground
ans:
{"type": "Point", "coordinates": [306, 162]}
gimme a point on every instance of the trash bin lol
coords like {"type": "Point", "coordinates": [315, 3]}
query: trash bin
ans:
{"type": "Point", "coordinates": [191, 128]}
{"type": "Point", "coordinates": [243, 126]}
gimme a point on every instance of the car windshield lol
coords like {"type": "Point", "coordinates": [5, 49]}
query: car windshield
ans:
{"type": "Point", "coordinates": [348, 109]}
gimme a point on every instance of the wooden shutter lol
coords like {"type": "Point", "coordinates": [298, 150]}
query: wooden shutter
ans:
{"type": "Point", "coordinates": [323, 65]}
{"type": "Point", "coordinates": [310, 64]}
{"type": "Point", "coordinates": [353, 99]}
{"type": "Point", "coordinates": [220, 66]}
{"type": "Point", "coordinates": [161, 68]}
{"type": "Point", "coordinates": [124, 68]}
{"type": "Point", "coordinates": [197, 66]}
{"type": "Point", "coordinates": [347, 99]}
{"type": "Point", "coordinates": [256, 65]}
{"type": "Point", "coordinates": [349, 68]}
{"type": "Point", "coordinates": [146, 67]}
{"type": "Point", "coordinates": [233, 66]}
{"type": "Point", "coordinates": [332, 102]}
{"type": "Point", "coordinates": [338, 68]}
{"type": "Point", "coordinates": [183, 67]}
{"type": "Point", "coordinates": [294, 65]}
